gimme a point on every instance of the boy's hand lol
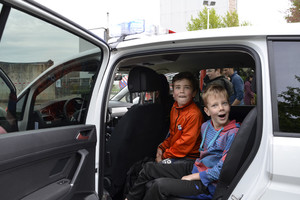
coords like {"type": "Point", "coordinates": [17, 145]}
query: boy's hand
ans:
{"type": "Point", "coordinates": [158, 159]}
{"type": "Point", "coordinates": [191, 177]}
{"type": "Point", "coordinates": [158, 155]}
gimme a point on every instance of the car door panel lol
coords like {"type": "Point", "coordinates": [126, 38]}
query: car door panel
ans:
{"type": "Point", "coordinates": [51, 192]}
{"type": "Point", "coordinates": [53, 61]}
{"type": "Point", "coordinates": [48, 164]}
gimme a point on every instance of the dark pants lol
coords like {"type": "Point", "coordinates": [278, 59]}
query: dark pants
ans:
{"type": "Point", "coordinates": [164, 180]}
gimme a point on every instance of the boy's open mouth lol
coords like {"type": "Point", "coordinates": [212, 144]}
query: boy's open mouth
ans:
{"type": "Point", "coordinates": [222, 116]}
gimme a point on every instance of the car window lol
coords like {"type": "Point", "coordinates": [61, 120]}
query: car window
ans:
{"type": "Point", "coordinates": [287, 84]}
{"type": "Point", "coordinates": [119, 91]}
{"type": "Point", "coordinates": [30, 47]}
{"type": "Point", "coordinates": [63, 95]}
{"type": "Point", "coordinates": [240, 83]}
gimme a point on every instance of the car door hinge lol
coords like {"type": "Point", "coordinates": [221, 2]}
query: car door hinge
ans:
{"type": "Point", "coordinates": [233, 197]}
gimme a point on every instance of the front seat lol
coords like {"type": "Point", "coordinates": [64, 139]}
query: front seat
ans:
{"type": "Point", "coordinates": [138, 133]}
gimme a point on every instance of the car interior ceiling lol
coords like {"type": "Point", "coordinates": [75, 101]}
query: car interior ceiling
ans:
{"type": "Point", "coordinates": [193, 62]}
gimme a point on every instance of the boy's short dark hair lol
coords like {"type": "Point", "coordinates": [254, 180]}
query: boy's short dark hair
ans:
{"type": "Point", "coordinates": [214, 89]}
{"type": "Point", "coordinates": [186, 75]}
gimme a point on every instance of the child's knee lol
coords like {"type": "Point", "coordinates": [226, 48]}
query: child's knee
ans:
{"type": "Point", "coordinates": [147, 167]}
{"type": "Point", "coordinates": [160, 184]}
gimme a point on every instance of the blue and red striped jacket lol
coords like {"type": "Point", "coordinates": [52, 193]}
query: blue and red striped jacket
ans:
{"type": "Point", "coordinates": [213, 151]}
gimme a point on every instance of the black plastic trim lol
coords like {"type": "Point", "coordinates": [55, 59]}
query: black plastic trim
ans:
{"type": "Point", "coordinates": [3, 18]}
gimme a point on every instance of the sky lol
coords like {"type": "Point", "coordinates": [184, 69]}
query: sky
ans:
{"type": "Point", "coordinates": [93, 13]}
{"type": "Point", "coordinates": [261, 12]}
{"type": "Point", "coordinates": [29, 39]}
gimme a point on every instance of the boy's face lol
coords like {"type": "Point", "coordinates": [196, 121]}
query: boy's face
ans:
{"type": "Point", "coordinates": [228, 71]}
{"type": "Point", "coordinates": [183, 91]}
{"type": "Point", "coordinates": [218, 109]}
{"type": "Point", "coordinates": [212, 73]}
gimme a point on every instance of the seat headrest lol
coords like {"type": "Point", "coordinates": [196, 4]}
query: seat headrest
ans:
{"type": "Point", "coordinates": [143, 79]}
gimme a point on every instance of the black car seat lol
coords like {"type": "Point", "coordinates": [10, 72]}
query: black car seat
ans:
{"type": "Point", "coordinates": [236, 159]}
{"type": "Point", "coordinates": [166, 99]}
{"type": "Point", "coordinates": [138, 133]}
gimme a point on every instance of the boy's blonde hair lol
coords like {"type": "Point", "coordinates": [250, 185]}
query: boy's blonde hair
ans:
{"type": "Point", "coordinates": [214, 89]}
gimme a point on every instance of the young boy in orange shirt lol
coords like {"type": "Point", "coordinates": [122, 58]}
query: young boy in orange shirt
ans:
{"type": "Point", "coordinates": [185, 122]}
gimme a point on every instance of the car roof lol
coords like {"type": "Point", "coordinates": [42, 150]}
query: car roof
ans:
{"type": "Point", "coordinates": [289, 29]}
{"type": "Point", "coordinates": [169, 60]}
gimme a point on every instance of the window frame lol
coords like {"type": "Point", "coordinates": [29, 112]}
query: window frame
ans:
{"type": "Point", "coordinates": [273, 83]}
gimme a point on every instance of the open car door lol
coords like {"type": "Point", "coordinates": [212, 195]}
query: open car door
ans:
{"type": "Point", "coordinates": [49, 70]}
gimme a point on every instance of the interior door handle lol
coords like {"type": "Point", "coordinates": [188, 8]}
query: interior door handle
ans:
{"type": "Point", "coordinates": [83, 154]}
{"type": "Point", "coordinates": [83, 135]}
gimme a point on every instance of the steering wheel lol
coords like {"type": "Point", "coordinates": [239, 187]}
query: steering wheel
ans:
{"type": "Point", "coordinates": [73, 109]}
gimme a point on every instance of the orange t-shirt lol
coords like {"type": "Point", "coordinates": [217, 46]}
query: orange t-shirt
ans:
{"type": "Point", "coordinates": [184, 132]}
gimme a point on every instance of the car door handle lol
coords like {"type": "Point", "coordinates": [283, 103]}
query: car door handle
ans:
{"type": "Point", "coordinates": [83, 154]}
{"type": "Point", "coordinates": [83, 135]}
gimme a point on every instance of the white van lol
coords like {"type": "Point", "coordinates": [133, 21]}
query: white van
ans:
{"type": "Point", "coordinates": [57, 120]}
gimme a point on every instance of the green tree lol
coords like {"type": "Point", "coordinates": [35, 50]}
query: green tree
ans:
{"type": "Point", "coordinates": [201, 22]}
{"type": "Point", "coordinates": [293, 13]}
{"type": "Point", "coordinates": [289, 109]}
{"type": "Point", "coordinates": [231, 19]}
